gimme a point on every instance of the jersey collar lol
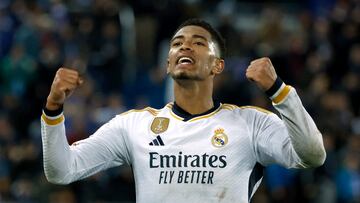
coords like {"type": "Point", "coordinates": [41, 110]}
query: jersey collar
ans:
{"type": "Point", "coordinates": [186, 116]}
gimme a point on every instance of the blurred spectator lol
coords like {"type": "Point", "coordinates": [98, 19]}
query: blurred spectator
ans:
{"type": "Point", "coordinates": [120, 48]}
{"type": "Point", "coordinates": [17, 71]}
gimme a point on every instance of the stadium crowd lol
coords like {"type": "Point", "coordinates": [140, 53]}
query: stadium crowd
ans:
{"type": "Point", "coordinates": [120, 48]}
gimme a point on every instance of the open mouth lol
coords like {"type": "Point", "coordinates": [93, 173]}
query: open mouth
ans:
{"type": "Point", "coordinates": [185, 60]}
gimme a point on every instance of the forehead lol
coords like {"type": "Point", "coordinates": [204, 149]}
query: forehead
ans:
{"type": "Point", "coordinates": [192, 30]}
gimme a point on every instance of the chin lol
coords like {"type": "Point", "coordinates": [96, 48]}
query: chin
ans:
{"type": "Point", "coordinates": [185, 76]}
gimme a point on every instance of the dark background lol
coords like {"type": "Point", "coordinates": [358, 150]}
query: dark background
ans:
{"type": "Point", "coordinates": [120, 47]}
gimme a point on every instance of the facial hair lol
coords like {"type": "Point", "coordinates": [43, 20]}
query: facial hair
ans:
{"type": "Point", "coordinates": [185, 76]}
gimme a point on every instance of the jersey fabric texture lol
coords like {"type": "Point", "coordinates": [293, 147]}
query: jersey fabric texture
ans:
{"type": "Point", "coordinates": [217, 156]}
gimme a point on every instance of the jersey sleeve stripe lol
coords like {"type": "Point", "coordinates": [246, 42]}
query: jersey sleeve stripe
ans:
{"type": "Point", "coordinates": [256, 108]}
{"type": "Point", "coordinates": [50, 121]}
{"type": "Point", "coordinates": [229, 106]}
{"type": "Point", "coordinates": [255, 178]}
{"type": "Point", "coordinates": [284, 92]}
{"type": "Point", "coordinates": [152, 111]}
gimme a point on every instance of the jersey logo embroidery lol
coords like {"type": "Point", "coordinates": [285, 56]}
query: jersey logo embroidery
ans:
{"type": "Point", "coordinates": [157, 142]}
{"type": "Point", "coordinates": [160, 125]}
{"type": "Point", "coordinates": [220, 139]}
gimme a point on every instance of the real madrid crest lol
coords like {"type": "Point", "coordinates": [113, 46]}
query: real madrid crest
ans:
{"type": "Point", "coordinates": [160, 125]}
{"type": "Point", "coordinates": [220, 139]}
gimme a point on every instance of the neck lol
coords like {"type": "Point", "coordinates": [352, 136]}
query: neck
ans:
{"type": "Point", "coordinates": [195, 97]}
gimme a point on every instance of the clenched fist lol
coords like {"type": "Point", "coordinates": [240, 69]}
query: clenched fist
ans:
{"type": "Point", "coordinates": [262, 72]}
{"type": "Point", "coordinates": [65, 82]}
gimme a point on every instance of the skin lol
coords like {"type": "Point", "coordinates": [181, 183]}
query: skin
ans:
{"type": "Point", "coordinates": [193, 86]}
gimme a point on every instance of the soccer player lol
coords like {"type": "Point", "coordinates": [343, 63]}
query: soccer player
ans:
{"type": "Point", "coordinates": [194, 149]}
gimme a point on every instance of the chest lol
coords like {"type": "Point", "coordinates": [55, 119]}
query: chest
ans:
{"type": "Point", "coordinates": [209, 143]}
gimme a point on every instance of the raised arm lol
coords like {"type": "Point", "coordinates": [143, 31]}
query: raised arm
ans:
{"type": "Point", "coordinates": [64, 164]}
{"type": "Point", "coordinates": [294, 141]}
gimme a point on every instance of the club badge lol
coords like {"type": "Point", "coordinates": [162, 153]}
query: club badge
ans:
{"type": "Point", "coordinates": [220, 139]}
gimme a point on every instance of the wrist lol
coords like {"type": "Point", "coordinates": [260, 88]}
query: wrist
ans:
{"type": "Point", "coordinates": [53, 111]}
{"type": "Point", "coordinates": [278, 91]}
{"type": "Point", "coordinates": [53, 106]}
{"type": "Point", "coordinates": [52, 117]}
{"type": "Point", "coordinates": [278, 83]}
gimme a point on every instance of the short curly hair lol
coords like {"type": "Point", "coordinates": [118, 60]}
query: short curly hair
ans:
{"type": "Point", "coordinates": [215, 35]}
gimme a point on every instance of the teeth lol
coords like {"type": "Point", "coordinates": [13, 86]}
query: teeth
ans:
{"type": "Point", "coordinates": [185, 60]}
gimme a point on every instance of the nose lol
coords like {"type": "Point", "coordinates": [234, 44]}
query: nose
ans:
{"type": "Point", "coordinates": [186, 46]}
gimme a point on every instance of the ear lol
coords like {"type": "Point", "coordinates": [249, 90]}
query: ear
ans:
{"type": "Point", "coordinates": [167, 68]}
{"type": "Point", "coordinates": [219, 66]}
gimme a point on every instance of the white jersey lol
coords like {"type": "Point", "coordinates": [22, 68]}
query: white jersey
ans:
{"type": "Point", "coordinates": [217, 156]}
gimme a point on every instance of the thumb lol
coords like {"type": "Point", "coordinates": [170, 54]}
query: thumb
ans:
{"type": "Point", "coordinates": [80, 81]}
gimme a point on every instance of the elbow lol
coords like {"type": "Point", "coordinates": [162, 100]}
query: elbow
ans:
{"type": "Point", "coordinates": [316, 159]}
{"type": "Point", "coordinates": [57, 179]}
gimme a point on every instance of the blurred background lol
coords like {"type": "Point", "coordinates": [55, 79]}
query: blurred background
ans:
{"type": "Point", "coordinates": [120, 48]}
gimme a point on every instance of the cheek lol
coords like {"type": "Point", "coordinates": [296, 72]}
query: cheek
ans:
{"type": "Point", "coordinates": [171, 57]}
{"type": "Point", "coordinates": [208, 62]}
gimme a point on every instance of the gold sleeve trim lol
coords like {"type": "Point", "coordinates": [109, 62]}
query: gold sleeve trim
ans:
{"type": "Point", "coordinates": [282, 94]}
{"type": "Point", "coordinates": [152, 111]}
{"type": "Point", "coordinates": [229, 106]}
{"type": "Point", "coordinates": [233, 107]}
{"type": "Point", "coordinates": [256, 108]}
{"type": "Point", "coordinates": [52, 121]}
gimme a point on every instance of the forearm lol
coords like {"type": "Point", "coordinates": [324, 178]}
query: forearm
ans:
{"type": "Point", "coordinates": [64, 164]}
{"type": "Point", "coordinates": [56, 151]}
{"type": "Point", "coordinates": [305, 138]}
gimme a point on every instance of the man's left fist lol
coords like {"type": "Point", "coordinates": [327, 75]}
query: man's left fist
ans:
{"type": "Point", "coordinates": [262, 72]}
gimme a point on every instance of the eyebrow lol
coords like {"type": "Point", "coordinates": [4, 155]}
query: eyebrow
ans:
{"type": "Point", "coordinates": [193, 36]}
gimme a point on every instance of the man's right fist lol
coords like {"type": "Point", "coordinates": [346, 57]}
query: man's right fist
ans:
{"type": "Point", "coordinates": [65, 82]}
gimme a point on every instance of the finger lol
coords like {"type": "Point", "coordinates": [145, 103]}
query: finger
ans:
{"type": "Point", "coordinates": [68, 72]}
{"type": "Point", "coordinates": [67, 87]}
{"type": "Point", "coordinates": [70, 80]}
{"type": "Point", "coordinates": [251, 79]}
{"type": "Point", "coordinates": [80, 81]}
{"type": "Point", "coordinates": [262, 59]}
{"type": "Point", "coordinates": [250, 76]}
{"type": "Point", "coordinates": [251, 68]}
{"type": "Point", "coordinates": [81, 70]}
{"type": "Point", "coordinates": [256, 60]}
{"type": "Point", "coordinates": [67, 77]}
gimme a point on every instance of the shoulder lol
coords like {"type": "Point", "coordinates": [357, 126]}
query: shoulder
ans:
{"type": "Point", "coordinates": [145, 111]}
{"type": "Point", "coordinates": [245, 109]}
{"type": "Point", "coordinates": [134, 117]}
{"type": "Point", "coordinates": [252, 115]}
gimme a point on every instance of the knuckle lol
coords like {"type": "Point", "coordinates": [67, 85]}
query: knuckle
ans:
{"type": "Point", "coordinates": [61, 72]}
{"type": "Point", "coordinates": [264, 64]}
{"type": "Point", "coordinates": [62, 69]}
{"type": "Point", "coordinates": [268, 61]}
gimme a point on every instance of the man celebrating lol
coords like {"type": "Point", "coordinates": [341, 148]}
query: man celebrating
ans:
{"type": "Point", "coordinates": [193, 149]}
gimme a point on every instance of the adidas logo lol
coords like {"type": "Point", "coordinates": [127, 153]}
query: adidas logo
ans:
{"type": "Point", "coordinates": [157, 142]}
